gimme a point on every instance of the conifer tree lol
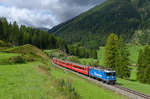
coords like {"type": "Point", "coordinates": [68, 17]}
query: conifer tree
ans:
{"type": "Point", "coordinates": [111, 51]}
{"type": "Point", "coordinates": [1, 30]}
{"type": "Point", "coordinates": [140, 73]}
{"type": "Point", "coordinates": [123, 60]}
{"type": "Point", "coordinates": [143, 74]}
{"type": "Point", "coordinates": [116, 56]}
{"type": "Point", "coordinates": [5, 28]}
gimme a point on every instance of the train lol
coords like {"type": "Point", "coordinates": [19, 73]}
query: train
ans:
{"type": "Point", "coordinates": [105, 75]}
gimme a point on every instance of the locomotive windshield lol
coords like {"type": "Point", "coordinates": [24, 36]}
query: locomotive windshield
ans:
{"type": "Point", "coordinates": [108, 74]}
{"type": "Point", "coordinates": [111, 74]}
{"type": "Point", "coordinates": [114, 74]}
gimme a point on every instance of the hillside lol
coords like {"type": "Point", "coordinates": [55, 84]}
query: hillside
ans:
{"type": "Point", "coordinates": [28, 50]}
{"type": "Point", "coordinates": [92, 27]}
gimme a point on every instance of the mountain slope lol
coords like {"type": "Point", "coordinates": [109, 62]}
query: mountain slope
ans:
{"type": "Point", "coordinates": [92, 27]}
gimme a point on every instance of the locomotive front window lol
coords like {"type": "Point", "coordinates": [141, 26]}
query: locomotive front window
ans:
{"type": "Point", "coordinates": [108, 74]}
{"type": "Point", "coordinates": [114, 74]}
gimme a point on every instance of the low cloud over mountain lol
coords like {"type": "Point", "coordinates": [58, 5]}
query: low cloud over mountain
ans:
{"type": "Point", "coordinates": [44, 13]}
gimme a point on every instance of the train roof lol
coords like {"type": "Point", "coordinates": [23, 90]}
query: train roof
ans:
{"type": "Point", "coordinates": [77, 64]}
{"type": "Point", "coordinates": [108, 71]}
{"type": "Point", "coordinates": [104, 69]}
{"type": "Point", "coordinates": [98, 68]}
{"type": "Point", "coordinates": [72, 63]}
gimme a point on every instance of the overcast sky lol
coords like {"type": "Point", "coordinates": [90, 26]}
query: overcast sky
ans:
{"type": "Point", "coordinates": [43, 13]}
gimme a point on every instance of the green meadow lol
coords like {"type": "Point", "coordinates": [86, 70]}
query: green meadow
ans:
{"type": "Point", "coordinates": [25, 81]}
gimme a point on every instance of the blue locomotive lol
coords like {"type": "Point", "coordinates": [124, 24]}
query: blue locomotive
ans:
{"type": "Point", "coordinates": [106, 75]}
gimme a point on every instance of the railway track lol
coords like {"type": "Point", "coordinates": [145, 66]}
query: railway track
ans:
{"type": "Point", "coordinates": [131, 94]}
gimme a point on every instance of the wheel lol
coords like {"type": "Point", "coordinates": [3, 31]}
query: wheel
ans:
{"type": "Point", "coordinates": [103, 81]}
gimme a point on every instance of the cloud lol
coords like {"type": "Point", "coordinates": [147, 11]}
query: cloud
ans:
{"type": "Point", "coordinates": [28, 17]}
{"type": "Point", "coordinates": [43, 13]}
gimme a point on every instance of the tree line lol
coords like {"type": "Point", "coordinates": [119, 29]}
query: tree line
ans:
{"type": "Point", "coordinates": [42, 39]}
{"type": "Point", "coordinates": [27, 35]}
{"type": "Point", "coordinates": [82, 52]}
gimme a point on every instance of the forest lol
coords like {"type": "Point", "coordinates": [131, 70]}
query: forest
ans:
{"type": "Point", "coordinates": [20, 35]}
{"type": "Point", "coordinates": [124, 17]}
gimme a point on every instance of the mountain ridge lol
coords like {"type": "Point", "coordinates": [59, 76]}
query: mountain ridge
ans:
{"type": "Point", "coordinates": [94, 26]}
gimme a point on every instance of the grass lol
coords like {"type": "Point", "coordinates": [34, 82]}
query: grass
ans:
{"type": "Point", "coordinates": [4, 57]}
{"type": "Point", "coordinates": [134, 50]}
{"type": "Point", "coordinates": [29, 50]}
{"type": "Point", "coordinates": [23, 81]}
{"type": "Point", "coordinates": [86, 89]}
{"type": "Point", "coordinates": [101, 56]}
{"type": "Point", "coordinates": [133, 84]}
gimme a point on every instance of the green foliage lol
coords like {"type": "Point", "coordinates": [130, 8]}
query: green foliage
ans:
{"type": "Point", "coordinates": [5, 44]}
{"type": "Point", "coordinates": [28, 51]}
{"type": "Point", "coordinates": [133, 51]}
{"type": "Point", "coordinates": [66, 88]}
{"type": "Point", "coordinates": [91, 28]}
{"type": "Point", "coordinates": [55, 53]}
{"type": "Point", "coordinates": [27, 35]}
{"type": "Point", "coordinates": [4, 57]}
{"type": "Point", "coordinates": [123, 69]}
{"type": "Point", "coordinates": [73, 59]}
{"type": "Point", "coordinates": [89, 61]}
{"type": "Point", "coordinates": [1, 29]}
{"type": "Point", "coordinates": [16, 59]}
{"type": "Point", "coordinates": [116, 56]}
{"type": "Point", "coordinates": [82, 52]}
{"type": "Point", "coordinates": [111, 53]}
{"type": "Point", "coordinates": [144, 65]}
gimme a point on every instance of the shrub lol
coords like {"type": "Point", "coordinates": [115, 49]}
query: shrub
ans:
{"type": "Point", "coordinates": [73, 59]}
{"type": "Point", "coordinates": [16, 59]}
{"type": "Point", "coordinates": [28, 58]}
{"type": "Point", "coordinates": [67, 89]}
{"type": "Point", "coordinates": [5, 44]}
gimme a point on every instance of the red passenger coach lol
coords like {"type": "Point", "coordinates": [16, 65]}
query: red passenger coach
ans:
{"type": "Point", "coordinates": [73, 66]}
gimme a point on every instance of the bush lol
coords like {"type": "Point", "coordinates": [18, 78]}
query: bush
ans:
{"type": "Point", "coordinates": [5, 44]}
{"type": "Point", "coordinates": [16, 59]}
{"type": "Point", "coordinates": [73, 59]}
{"type": "Point", "coordinates": [67, 89]}
{"type": "Point", "coordinates": [28, 58]}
